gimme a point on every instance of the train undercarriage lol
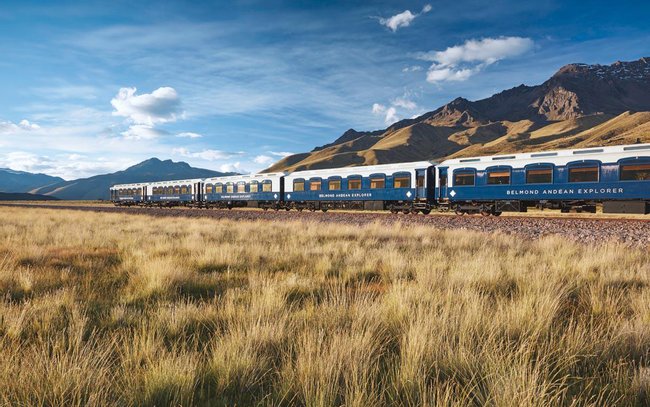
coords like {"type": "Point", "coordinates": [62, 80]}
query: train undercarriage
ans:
{"type": "Point", "coordinates": [484, 208]}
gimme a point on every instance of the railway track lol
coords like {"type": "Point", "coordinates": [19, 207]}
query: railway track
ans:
{"type": "Point", "coordinates": [635, 232]}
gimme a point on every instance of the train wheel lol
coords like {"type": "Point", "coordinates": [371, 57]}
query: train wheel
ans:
{"type": "Point", "coordinates": [497, 213]}
{"type": "Point", "coordinates": [300, 209]}
{"type": "Point", "coordinates": [405, 211]}
{"type": "Point", "coordinates": [426, 211]}
{"type": "Point", "coordinates": [324, 209]}
{"type": "Point", "coordinates": [287, 208]}
{"type": "Point", "coordinates": [393, 210]}
{"type": "Point", "coordinates": [459, 211]}
{"type": "Point", "coordinates": [485, 212]}
{"type": "Point", "coordinates": [266, 208]}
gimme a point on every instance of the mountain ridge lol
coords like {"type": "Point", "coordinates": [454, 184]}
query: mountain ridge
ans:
{"type": "Point", "coordinates": [560, 112]}
{"type": "Point", "coordinates": [97, 187]}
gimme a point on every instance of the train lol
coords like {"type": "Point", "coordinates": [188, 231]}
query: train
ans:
{"type": "Point", "coordinates": [618, 177]}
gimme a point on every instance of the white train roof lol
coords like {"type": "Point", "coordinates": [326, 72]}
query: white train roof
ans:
{"type": "Point", "coordinates": [362, 170]}
{"type": "Point", "coordinates": [158, 183]}
{"type": "Point", "coordinates": [136, 185]}
{"type": "Point", "coordinates": [246, 177]}
{"type": "Point", "coordinates": [560, 157]}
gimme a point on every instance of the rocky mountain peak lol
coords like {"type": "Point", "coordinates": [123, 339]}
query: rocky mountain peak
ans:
{"type": "Point", "coordinates": [580, 105]}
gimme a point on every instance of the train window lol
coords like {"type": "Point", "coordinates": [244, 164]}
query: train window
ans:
{"type": "Point", "coordinates": [402, 181]}
{"type": "Point", "coordinates": [464, 179]}
{"type": "Point", "coordinates": [230, 188]}
{"type": "Point", "coordinates": [419, 181]}
{"type": "Point", "coordinates": [298, 185]}
{"type": "Point", "coordinates": [539, 176]}
{"type": "Point", "coordinates": [177, 189]}
{"type": "Point", "coordinates": [218, 188]}
{"type": "Point", "coordinates": [636, 172]}
{"type": "Point", "coordinates": [377, 183]}
{"type": "Point", "coordinates": [254, 187]}
{"type": "Point", "coordinates": [266, 186]}
{"type": "Point", "coordinates": [500, 177]}
{"type": "Point", "coordinates": [170, 190]}
{"type": "Point", "coordinates": [184, 189]}
{"type": "Point", "coordinates": [354, 183]}
{"type": "Point", "coordinates": [315, 185]}
{"type": "Point", "coordinates": [583, 174]}
{"type": "Point", "coordinates": [208, 188]}
{"type": "Point", "coordinates": [334, 184]}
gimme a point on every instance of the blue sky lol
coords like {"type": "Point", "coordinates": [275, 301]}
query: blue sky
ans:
{"type": "Point", "coordinates": [91, 87]}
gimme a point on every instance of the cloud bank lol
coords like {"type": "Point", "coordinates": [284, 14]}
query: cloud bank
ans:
{"type": "Point", "coordinates": [7, 127]}
{"type": "Point", "coordinates": [460, 62]}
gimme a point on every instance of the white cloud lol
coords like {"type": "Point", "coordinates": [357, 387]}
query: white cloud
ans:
{"type": "Point", "coordinates": [232, 167]}
{"type": "Point", "coordinates": [378, 108]}
{"type": "Point", "coordinates": [26, 125]}
{"type": "Point", "coordinates": [67, 166]}
{"type": "Point", "coordinates": [390, 113]}
{"type": "Point", "coordinates": [263, 159]}
{"type": "Point", "coordinates": [414, 68]}
{"type": "Point", "coordinates": [7, 127]}
{"type": "Point", "coordinates": [460, 62]}
{"type": "Point", "coordinates": [146, 111]}
{"type": "Point", "coordinates": [160, 106]}
{"type": "Point", "coordinates": [403, 19]}
{"type": "Point", "coordinates": [405, 103]}
{"type": "Point", "coordinates": [281, 153]}
{"type": "Point", "coordinates": [449, 74]}
{"type": "Point", "coordinates": [142, 132]}
{"type": "Point", "coordinates": [189, 135]}
{"type": "Point", "coordinates": [208, 155]}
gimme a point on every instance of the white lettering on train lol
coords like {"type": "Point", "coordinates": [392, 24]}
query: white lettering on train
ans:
{"type": "Point", "coordinates": [560, 191]}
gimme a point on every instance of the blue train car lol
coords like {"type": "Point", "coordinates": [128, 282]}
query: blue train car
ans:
{"type": "Point", "coordinates": [566, 179]}
{"type": "Point", "coordinates": [398, 187]}
{"type": "Point", "coordinates": [129, 194]}
{"type": "Point", "coordinates": [255, 190]}
{"type": "Point", "coordinates": [175, 193]}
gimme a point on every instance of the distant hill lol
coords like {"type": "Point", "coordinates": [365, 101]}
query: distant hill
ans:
{"type": "Point", "coordinates": [20, 181]}
{"type": "Point", "coordinates": [17, 196]}
{"type": "Point", "coordinates": [580, 106]}
{"type": "Point", "coordinates": [97, 187]}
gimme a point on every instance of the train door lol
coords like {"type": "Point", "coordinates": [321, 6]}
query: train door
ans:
{"type": "Point", "coordinates": [198, 192]}
{"type": "Point", "coordinates": [420, 183]}
{"type": "Point", "coordinates": [442, 183]}
{"type": "Point", "coordinates": [144, 194]}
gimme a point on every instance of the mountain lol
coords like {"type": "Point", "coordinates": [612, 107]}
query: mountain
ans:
{"type": "Point", "coordinates": [21, 196]}
{"type": "Point", "coordinates": [579, 106]}
{"type": "Point", "coordinates": [20, 181]}
{"type": "Point", "coordinates": [150, 170]}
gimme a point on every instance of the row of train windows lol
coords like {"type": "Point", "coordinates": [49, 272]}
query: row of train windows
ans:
{"type": "Point", "coordinates": [240, 187]}
{"type": "Point", "coordinates": [352, 184]}
{"type": "Point", "coordinates": [129, 192]}
{"type": "Point", "coordinates": [172, 190]}
{"type": "Point", "coordinates": [638, 172]}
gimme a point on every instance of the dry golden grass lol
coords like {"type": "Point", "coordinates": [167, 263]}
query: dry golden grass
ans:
{"type": "Point", "coordinates": [110, 309]}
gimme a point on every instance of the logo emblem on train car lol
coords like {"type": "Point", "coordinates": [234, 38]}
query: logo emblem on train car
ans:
{"type": "Point", "coordinates": [408, 194]}
{"type": "Point", "coordinates": [452, 193]}
{"type": "Point", "coordinates": [275, 196]}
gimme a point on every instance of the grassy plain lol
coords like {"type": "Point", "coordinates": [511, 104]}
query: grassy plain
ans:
{"type": "Point", "coordinates": [114, 309]}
